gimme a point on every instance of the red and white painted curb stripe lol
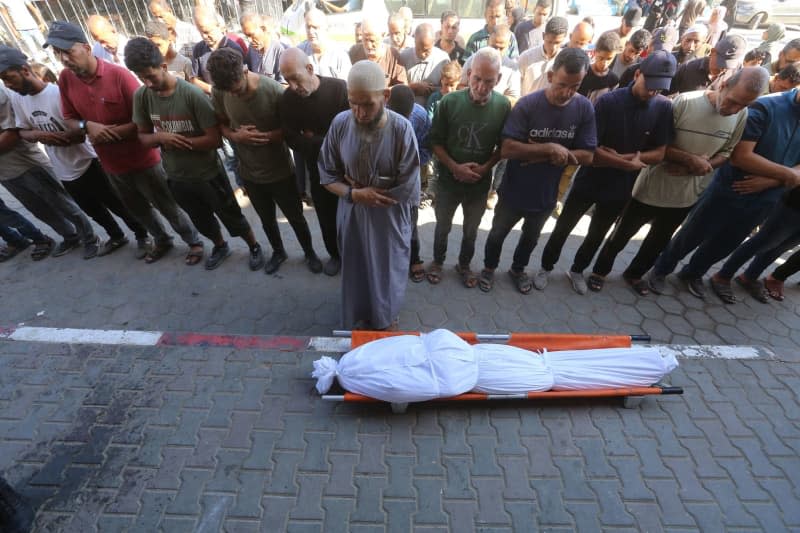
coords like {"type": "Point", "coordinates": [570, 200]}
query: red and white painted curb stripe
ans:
{"type": "Point", "coordinates": [291, 343]}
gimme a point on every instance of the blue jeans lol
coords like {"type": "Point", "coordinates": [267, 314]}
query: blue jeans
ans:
{"type": "Point", "coordinates": [719, 222]}
{"type": "Point", "coordinates": [17, 230]}
{"type": "Point", "coordinates": [781, 232]}
{"type": "Point", "coordinates": [505, 218]}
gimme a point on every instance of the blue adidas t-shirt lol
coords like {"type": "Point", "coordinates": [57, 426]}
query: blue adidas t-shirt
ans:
{"type": "Point", "coordinates": [533, 187]}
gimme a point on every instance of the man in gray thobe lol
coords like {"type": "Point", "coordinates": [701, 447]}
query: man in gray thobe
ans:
{"type": "Point", "coordinates": [370, 160]}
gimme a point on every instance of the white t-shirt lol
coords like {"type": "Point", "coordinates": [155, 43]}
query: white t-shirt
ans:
{"type": "Point", "coordinates": [20, 16]}
{"type": "Point", "coordinates": [43, 112]}
{"type": "Point", "coordinates": [533, 67]}
{"type": "Point", "coordinates": [24, 155]}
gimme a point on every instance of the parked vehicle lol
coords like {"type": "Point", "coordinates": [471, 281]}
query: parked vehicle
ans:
{"type": "Point", "coordinates": [755, 13]}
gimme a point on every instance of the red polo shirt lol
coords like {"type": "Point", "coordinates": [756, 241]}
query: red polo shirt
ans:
{"type": "Point", "coordinates": [108, 99]}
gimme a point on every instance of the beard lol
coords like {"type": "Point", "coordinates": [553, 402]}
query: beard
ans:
{"type": "Point", "coordinates": [27, 88]}
{"type": "Point", "coordinates": [369, 129]}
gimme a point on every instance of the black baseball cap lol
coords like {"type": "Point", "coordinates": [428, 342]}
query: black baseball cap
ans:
{"type": "Point", "coordinates": [730, 51]}
{"type": "Point", "coordinates": [11, 57]}
{"type": "Point", "coordinates": [63, 35]}
{"type": "Point", "coordinates": [658, 69]}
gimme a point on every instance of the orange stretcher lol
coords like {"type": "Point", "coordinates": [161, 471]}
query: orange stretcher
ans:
{"type": "Point", "coordinates": [631, 396]}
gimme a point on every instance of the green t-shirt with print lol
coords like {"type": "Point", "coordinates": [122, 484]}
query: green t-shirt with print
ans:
{"type": "Point", "coordinates": [468, 132]}
{"type": "Point", "coordinates": [187, 111]}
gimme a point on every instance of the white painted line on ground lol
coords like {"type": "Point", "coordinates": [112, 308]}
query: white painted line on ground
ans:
{"type": "Point", "coordinates": [329, 344]}
{"type": "Point", "coordinates": [86, 336]}
{"type": "Point", "coordinates": [715, 352]}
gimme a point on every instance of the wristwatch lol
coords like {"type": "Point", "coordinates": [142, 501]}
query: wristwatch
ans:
{"type": "Point", "coordinates": [82, 126]}
{"type": "Point", "coordinates": [348, 197]}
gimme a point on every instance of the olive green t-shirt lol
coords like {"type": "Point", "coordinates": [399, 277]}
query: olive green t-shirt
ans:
{"type": "Point", "coordinates": [187, 111]}
{"type": "Point", "coordinates": [468, 132]}
{"type": "Point", "coordinates": [265, 163]}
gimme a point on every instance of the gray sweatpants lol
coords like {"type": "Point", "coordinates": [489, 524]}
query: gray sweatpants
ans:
{"type": "Point", "coordinates": [45, 197]}
{"type": "Point", "coordinates": [143, 192]}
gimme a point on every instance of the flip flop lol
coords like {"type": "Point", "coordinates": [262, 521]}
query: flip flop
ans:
{"type": "Point", "coordinates": [639, 286]}
{"type": "Point", "coordinates": [595, 283]}
{"type": "Point", "coordinates": [194, 256]}
{"type": "Point", "coordinates": [774, 288]}
{"type": "Point", "coordinates": [157, 252]}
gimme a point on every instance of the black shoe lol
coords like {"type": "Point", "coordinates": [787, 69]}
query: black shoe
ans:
{"type": "Point", "coordinates": [112, 245]}
{"type": "Point", "coordinates": [314, 264]}
{"type": "Point", "coordinates": [91, 248]}
{"type": "Point", "coordinates": [694, 285]}
{"type": "Point", "coordinates": [275, 262]}
{"type": "Point", "coordinates": [332, 267]}
{"type": "Point", "coordinates": [65, 247]}
{"type": "Point", "coordinates": [256, 257]}
{"type": "Point", "coordinates": [218, 255]}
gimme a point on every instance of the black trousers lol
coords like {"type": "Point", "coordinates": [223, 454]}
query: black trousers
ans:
{"type": "Point", "coordinates": [575, 206]}
{"type": "Point", "coordinates": [266, 196]}
{"type": "Point", "coordinates": [790, 267]}
{"type": "Point", "coordinates": [94, 195]}
{"type": "Point", "coordinates": [663, 223]}
{"type": "Point", "coordinates": [325, 204]}
{"type": "Point", "coordinates": [203, 200]}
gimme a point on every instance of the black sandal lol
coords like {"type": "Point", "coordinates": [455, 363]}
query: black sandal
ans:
{"type": "Point", "coordinates": [639, 286]}
{"type": "Point", "coordinates": [42, 249]}
{"type": "Point", "coordinates": [417, 272]}
{"type": "Point", "coordinates": [486, 280]}
{"type": "Point", "coordinates": [595, 283]}
{"type": "Point", "coordinates": [522, 281]}
{"type": "Point", "coordinates": [157, 252]}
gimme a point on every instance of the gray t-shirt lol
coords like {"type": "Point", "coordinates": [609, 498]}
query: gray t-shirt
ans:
{"type": "Point", "coordinates": [427, 70]}
{"type": "Point", "coordinates": [187, 111]}
{"type": "Point", "coordinates": [181, 67]}
{"type": "Point", "coordinates": [267, 163]}
{"type": "Point", "coordinates": [24, 155]}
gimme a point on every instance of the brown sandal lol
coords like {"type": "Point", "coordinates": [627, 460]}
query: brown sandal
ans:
{"type": "Point", "coordinates": [194, 256]}
{"type": "Point", "coordinates": [774, 288]}
{"type": "Point", "coordinates": [434, 273]}
{"type": "Point", "coordinates": [468, 277]}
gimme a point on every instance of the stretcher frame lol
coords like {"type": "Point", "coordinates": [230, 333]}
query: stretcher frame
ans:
{"type": "Point", "coordinates": [631, 396]}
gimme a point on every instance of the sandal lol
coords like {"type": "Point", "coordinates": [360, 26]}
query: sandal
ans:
{"type": "Point", "coordinates": [194, 256]}
{"type": "Point", "coordinates": [486, 280]}
{"type": "Point", "coordinates": [157, 252]}
{"type": "Point", "coordinates": [468, 277]}
{"type": "Point", "coordinates": [434, 273]}
{"type": "Point", "coordinates": [595, 283]}
{"type": "Point", "coordinates": [723, 290]}
{"type": "Point", "coordinates": [639, 286]}
{"type": "Point", "coordinates": [774, 288]}
{"type": "Point", "coordinates": [756, 289]}
{"type": "Point", "coordinates": [42, 249]}
{"type": "Point", "coordinates": [417, 272]}
{"type": "Point", "coordinates": [9, 251]}
{"type": "Point", "coordinates": [522, 281]}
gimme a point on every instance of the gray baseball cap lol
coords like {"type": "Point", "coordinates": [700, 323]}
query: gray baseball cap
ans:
{"type": "Point", "coordinates": [11, 57]}
{"type": "Point", "coordinates": [730, 51]}
{"type": "Point", "coordinates": [63, 35]}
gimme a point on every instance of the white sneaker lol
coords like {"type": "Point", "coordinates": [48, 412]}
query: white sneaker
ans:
{"type": "Point", "coordinates": [540, 279]}
{"type": "Point", "coordinates": [578, 282]}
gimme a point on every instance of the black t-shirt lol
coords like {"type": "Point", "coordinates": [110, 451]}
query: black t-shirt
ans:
{"type": "Point", "coordinates": [691, 76]}
{"type": "Point", "coordinates": [456, 54]}
{"type": "Point", "coordinates": [792, 198]}
{"type": "Point", "coordinates": [594, 86]}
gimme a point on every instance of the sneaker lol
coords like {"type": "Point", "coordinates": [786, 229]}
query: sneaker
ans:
{"type": "Point", "coordinates": [91, 248]}
{"type": "Point", "coordinates": [241, 197]}
{"type": "Point", "coordinates": [275, 262]}
{"type": "Point", "coordinates": [540, 279]}
{"type": "Point", "coordinates": [111, 245]}
{"type": "Point", "coordinates": [332, 267]}
{"type": "Point", "coordinates": [256, 257]}
{"type": "Point", "coordinates": [694, 285]}
{"type": "Point", "coordinates": [142, 247]}
{"type": "Point", "coordinates": [491, 200]}
{"type": "Point", "coordinates": [657, 283]}
{"type": "Point", "coordinates": [578, 282]}
{"type": "Point", "coordinates": [65, 247]}
{"type": "Point", "coordinates": [218, 255]}
{"type": "Point", "coordinates": [313, 263]}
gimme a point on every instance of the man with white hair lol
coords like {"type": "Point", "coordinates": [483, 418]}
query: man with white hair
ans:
{"type": "Point", "coordinates": [466, 140]}
{"type": "Point", "coordinates": [211, 26]}
{"type": "Point", "coordinates": [375, 49]}
{"type": "Point", "coordinates": [109, 45]}
{"type": "Point", "coordinates": [327, 59]}
{"type": "Point", "coordinates": [423, 63]}
{"type": "Point", "coordinates": [370, 160]}
{"type": "Point", "coordinates": [265, 49]}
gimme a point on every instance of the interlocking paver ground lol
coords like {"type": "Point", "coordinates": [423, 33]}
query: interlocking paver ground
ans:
{"type": "Point", "coordinates": [95, 449]}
